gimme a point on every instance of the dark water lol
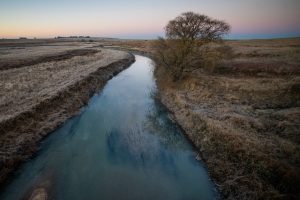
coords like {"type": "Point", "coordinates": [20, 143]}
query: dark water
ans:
{"type": "Point", "coordinates": [122, 146]}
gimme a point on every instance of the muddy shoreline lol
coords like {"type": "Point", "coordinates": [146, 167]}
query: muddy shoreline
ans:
{"type": "Point", "coordinates": [49, 114]}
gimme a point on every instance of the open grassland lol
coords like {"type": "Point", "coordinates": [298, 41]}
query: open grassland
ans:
{"type": "Point", "coordinates": [22, 88]}
{"type": "Point", "coordinates": [243, 116]}
{"type": "Point", "coordinates": [42, 85]}
{"type": "Point", "coordinates": [277, 57]}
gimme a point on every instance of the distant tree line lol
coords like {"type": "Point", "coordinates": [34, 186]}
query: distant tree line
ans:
{"type": "Point", "coordinates": [60, 37]}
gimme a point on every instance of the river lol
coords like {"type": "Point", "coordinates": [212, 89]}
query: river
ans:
{"type": "Point", "coordinates": [121, 146]}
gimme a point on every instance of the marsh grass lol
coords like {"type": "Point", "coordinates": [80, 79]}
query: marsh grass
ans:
{"type": "Point", "coordinates": [243, 116]}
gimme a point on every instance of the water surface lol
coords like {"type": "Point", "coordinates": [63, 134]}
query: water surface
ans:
{"type": "Point", "coordinates": [122, 146]}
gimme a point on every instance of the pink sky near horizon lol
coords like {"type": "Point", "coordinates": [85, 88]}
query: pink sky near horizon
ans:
{"type": "Point", "coordinates": [133, 18]}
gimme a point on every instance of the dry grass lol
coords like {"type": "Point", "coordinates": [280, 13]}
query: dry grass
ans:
{"type": "Point", "coordinates": [22, 88]}
{"type": "Point", "coordinates": [261, 57]}
{"type": "Point", "coordinates": [244, 118]}
{"type": "Point", "coordinates": [135, 46]}
{"type": "Point", "coordinates": [35, 99]}
{"type": "Point", "coordinates": [9, 61]}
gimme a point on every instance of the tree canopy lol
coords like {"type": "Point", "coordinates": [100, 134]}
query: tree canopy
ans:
{"type": "Point", "coordinates": [185, 47]}
{"type": "Point", "coordinates": [192, 26]}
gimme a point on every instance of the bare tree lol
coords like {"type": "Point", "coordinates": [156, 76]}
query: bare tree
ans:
{"type": "Point", "coordinates": [184, 48]}
{"type": "Point", "coordinates": [191, 26]}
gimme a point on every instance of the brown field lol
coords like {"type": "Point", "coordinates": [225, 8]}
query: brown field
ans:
{"type": "Point", "coordinates": [42, 85]}
{"type": "Point", "coordinates": [243, 116]}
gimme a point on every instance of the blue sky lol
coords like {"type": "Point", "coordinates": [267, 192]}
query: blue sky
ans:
{"type": "Point", "coordinates": [143, 19]}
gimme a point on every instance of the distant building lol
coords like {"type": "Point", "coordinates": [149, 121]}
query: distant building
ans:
{"type": "Point", "coordinates": [23, 38]}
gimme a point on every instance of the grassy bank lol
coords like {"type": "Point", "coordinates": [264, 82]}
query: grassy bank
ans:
{"type": "Point", "coordinates": [37, 98]}
{"type": "Point", "coordinates": [243, 117]}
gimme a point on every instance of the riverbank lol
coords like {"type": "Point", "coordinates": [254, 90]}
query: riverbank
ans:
{"type": "Point", "coordinates": [42, 89]}
{"type": "Point", "coordinates": [123, 146]}
{"type": "Point", "coordinates": [243, 118]}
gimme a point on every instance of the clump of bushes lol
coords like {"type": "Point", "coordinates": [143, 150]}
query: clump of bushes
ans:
{"type": "Point", "coordinates": [190, 44]}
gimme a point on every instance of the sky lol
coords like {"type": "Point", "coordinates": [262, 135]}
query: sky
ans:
{"type": "Point", "coordinates": [144, 19]}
